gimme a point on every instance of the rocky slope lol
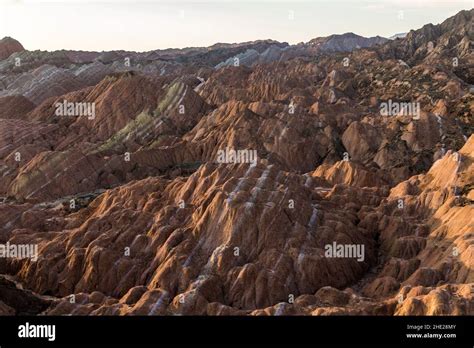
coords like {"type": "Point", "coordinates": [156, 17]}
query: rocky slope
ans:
{"type": "Point", "coordinates": [179, 182]}
{"type": "Point", "coordinates": [8, 46]}
{"type": "Point", "coordinates": [346, 42]}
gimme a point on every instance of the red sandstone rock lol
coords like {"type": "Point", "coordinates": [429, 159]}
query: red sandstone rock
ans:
{"type": "Point", "coordinates": [135, 213]}
{"type": "Point", "coordinates": [8, 46]}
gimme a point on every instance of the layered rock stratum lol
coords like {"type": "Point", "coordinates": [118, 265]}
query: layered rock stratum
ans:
{"type": "Point", "coordinates": [138, 202]}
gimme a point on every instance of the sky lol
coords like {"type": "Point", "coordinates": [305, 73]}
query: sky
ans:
{"type": "Point", "coordinates": [144, 25]}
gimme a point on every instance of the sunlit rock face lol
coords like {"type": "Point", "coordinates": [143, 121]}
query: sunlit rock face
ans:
{"type": "Point", "coordinates": [332, 177]}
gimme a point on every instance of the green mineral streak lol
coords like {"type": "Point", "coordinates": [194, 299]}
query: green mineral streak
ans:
{"type": "Point", "coordinates": [144, 119]}
{"type": "Point", "coordinates": [53, 161]}
{"type": "Point", "coordinates": [172, 97]}
{"type": "Point", "coordinates": [135, 125]}
{"type": "Point", "coordinates": [189, 165]}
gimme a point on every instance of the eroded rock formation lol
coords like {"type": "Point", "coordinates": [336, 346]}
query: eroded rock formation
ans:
{"type": "Point", "coordinates": [176, 182]}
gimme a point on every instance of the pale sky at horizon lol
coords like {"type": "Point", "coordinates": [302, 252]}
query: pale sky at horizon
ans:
{"type": "Point", "coordinates": [155, 24]}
